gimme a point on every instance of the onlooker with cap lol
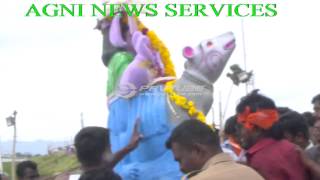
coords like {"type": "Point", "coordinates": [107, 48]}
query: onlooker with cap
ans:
{"type": "Point", "coordinates": [273, 158]}
{"type": "Point", "coordinates": [27, 170]}
{"type": "Point", "coordinates": [197, 149]}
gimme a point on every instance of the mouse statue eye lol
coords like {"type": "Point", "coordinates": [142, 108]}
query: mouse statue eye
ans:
{"type": "Point", "coordinates": [209, 44]}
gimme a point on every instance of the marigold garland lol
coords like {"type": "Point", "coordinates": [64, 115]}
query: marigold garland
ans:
{"type": "Point", "coordinates": [183, 102]}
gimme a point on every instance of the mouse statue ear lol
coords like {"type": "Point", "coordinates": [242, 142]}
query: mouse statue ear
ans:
{"type": "Point", "coordinates": [188, 52]}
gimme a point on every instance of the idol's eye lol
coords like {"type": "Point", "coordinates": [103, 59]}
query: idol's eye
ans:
{"type": "Point", "coordinates": [209, 44]}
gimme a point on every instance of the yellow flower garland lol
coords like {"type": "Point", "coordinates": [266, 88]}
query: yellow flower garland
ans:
{"type": "Point", "coordinates": [183, 102]}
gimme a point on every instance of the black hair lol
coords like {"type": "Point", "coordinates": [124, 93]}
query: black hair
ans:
{"type": "Point", "coordinates": [230, 127]}
{"type": "Point", "coordinates": [293, 123]}
{"type": "Point", "coordinates": [310, 118]}
{"type": "Point", "coordinates": [22, 166]}
{"type": "Point", "coordinates": [255, 101]}
{"type": "Point", "coordinates": [193, 131]}
{"type": "Point", "coordinates": [99, 174]}
{"type": "Point", "coordinates": [91, 143]}
{"type": "Point", "coordinates": [283, 110]}
{"type": "Point", "coordinates": [315, 99]}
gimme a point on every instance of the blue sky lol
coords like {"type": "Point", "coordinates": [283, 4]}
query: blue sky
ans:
{"type": "Point", "coordinates": [51, 71]}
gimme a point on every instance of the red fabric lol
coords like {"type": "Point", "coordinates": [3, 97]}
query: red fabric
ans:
{"type": "Point", "coordinates": [276, 160]}
{"type": "Point", "coordinates": [263, 118]}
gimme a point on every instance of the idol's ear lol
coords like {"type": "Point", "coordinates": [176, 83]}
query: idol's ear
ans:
{"type": "Point", "coordinates": [132, 24]}
{"type": "Point", "coordinates": [115, 33]}
{"type": "Point", "coordinates": [188, 52]}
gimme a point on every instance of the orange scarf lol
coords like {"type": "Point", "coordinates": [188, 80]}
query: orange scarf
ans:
{"type": "Point", "coordinates": [263, 118]}
{"type": "Point", "coordinates": [235, 146]}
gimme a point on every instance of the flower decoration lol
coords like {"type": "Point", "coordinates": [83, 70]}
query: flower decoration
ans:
{"type": "Point", "coordinates": [184, 103]}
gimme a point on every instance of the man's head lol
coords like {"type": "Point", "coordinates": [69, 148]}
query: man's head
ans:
{"type": "Point", "coordinates": [311, 120]}
{"type": "Point", "coordinates": [91, 145]}
{"type": "Point", "coordinates": [232, 129]}
{"type": "Point", "coordinates": [27, 170]}
{"type": "Point", "coordinates": [316, 105]}
{"type": "Point", "coordinates": [193, 143]}
{"type": "Point", "coordinates": [295, 128]}
{"type": "Point", "coordinates": [99, 174]}
{"type": "Point", "coordinates": [257, 114]}
{"type": "Point", "coordinates": [316, 131]}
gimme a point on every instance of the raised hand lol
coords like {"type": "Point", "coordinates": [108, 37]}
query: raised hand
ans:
{"type": "Point", "coordinates": [136, 136]}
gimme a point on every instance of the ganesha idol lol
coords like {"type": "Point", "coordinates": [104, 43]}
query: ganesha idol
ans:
{"type": "Point", "coordinates": [142, 83]}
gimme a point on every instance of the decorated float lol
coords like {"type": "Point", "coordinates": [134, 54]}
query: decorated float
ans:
{"type": "Point", "coordinates": [142, 83]}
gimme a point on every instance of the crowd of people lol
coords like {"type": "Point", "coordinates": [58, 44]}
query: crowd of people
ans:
{"type": "Point", "coordinates": [260, 141]}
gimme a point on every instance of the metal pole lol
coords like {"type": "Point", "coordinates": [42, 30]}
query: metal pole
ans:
{"type": "Point", "coordinates": [244, 52]}
{"type": "Point", "coordinates": [1, 165]}
{"type": "Point", "coordinates": [13, 162]}
{"type": "Point", "coordinates": [227, 102]}
{"type": "Point", "coordinates": [81, 120]}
